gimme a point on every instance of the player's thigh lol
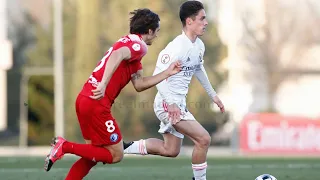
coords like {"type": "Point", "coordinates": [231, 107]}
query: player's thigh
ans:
{"type": "Point", "coordinates": [194, 130]}
{"type": "Point", "coordinates": [84, 113]}
{"type": "Point", "coordinates": [106, 132]}
{"type": "Point", "coordinates": [172, 143]}
{"type": "Point", "coordinates": [165, 124]}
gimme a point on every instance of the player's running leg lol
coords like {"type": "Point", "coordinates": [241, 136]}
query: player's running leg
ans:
{"type": "Point", "coordinates": [201, 138]}
{"type": "Point", "coordinates": [80, 168]}
{"type": "Point", "coordinates": [99, 126]}
{"type": "Point", "coordinates": [107, 154]}
{"type": "Point", "coordinates": [168, 147]}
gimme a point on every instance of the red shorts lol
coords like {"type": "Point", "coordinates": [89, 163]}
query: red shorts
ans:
{"type": "Point", "coordinates": [96, 122]}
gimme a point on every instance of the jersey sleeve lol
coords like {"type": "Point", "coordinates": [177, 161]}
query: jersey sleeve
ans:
{"type": "Point", "coordinates": [202, 76]}
{"type": "Point", "coordinates": [167, 56]}
{"type": "Point", "coordinates": [136, 66]}
{"type": "Point", "coordinates": [136, 48]}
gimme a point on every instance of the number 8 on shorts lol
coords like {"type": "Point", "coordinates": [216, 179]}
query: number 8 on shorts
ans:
{"type": "Point", "coordinates": [110, 126]}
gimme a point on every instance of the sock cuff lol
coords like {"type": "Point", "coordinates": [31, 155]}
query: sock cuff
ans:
{"type": "Point", "coordinates": [199, 167]}
{"type": "Point", "coordinates": [143, 147]}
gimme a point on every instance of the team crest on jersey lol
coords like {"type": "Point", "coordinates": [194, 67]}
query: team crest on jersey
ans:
{"type": "Point", "coordinates": [114, 137]}
{"type": "Point", "coordinates": [165, 58]}
{"type": "Point", "coordinates": [136, 47]}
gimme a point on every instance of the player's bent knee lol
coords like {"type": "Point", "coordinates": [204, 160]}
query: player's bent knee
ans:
{"type": "Point", "coordinates": [171, 151]}
{"type": "Point", "coordinates": [117, 158]}
{"type": "Point", "coordinates": [172, 154]}
{"type": "Point", "coordinates": [204, 140]}
{"type": "Point", "coordinates": [116, 152]}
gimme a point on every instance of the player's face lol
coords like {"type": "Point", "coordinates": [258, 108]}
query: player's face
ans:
{"type": "Point", "coordinates": [152, 36]}
{"type": "Point", "coordinates": [199, 23]}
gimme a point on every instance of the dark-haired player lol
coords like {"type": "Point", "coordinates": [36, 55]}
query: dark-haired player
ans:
{"type": "Point", "coordinates": [120, 64]}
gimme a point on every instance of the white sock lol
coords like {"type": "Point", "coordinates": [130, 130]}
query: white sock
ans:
{"type": "Point", "coordinates": [138, 147]}
{"type": "Point", "coordinates": [199, 171]}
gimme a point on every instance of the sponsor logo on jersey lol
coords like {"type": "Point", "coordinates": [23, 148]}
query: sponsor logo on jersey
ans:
{"type": "Point", "coordinates": [190, 68]}
{"type": "Point", "coordinates": [200, 57]}
{"type": "Point", "coordinates": [165, 58]}
{"type": "Point", "coordinates": [188, 71]}
{"type": "Point", "coordinates": [136, 47]}
{"type": "Point", "coordinates": [114, 137]}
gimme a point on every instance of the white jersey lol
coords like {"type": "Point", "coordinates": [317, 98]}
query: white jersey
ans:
{"type": "Point", "coordinates": [175, 88]}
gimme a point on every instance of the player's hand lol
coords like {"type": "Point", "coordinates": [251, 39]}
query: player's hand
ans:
{"type": "Point", "coordinates": [174, 68]}
{"type": "Point", "coordinates": [174, 113]}
{"type": "Point", "coordinates": [98, 93]}
{"type": "Point", "coordinates": [219, 103]}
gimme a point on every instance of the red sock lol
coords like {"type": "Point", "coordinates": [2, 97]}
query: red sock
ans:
{"type": "Point", "coordinates": [88, 151]}
{"type": "Point", "coordinates": [80, 169]}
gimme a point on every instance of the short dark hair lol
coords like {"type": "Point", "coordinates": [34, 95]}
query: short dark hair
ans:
{"type": "Point", "coordinates": [189, 9]}
{"type": "Point", "coordinates": [143, 20]}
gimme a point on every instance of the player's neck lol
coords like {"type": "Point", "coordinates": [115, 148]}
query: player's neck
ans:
{"type": "Point", "coordinates": [144, 37]}
{"type": "Point", "coordinates": [190, 35]}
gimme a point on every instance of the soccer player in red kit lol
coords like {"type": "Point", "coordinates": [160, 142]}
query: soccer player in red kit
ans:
{"type": "Point", "coordinates": [120, 64]}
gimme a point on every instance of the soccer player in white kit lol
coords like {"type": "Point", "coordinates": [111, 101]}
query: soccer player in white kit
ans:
{"type": "Point", "coordinates": [170, 101]}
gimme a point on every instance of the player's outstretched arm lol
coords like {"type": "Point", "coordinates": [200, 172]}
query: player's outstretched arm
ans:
{"type": "Point", "coordinates": [141, 83]}
{"type": "Point", "coordinates": [112, 64]}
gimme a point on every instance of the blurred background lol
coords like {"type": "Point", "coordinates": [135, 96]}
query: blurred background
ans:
{"type": "Point", "coordinates": [262, 57]}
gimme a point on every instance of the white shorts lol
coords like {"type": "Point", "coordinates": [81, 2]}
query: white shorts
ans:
{"type": "Point", "coordinates": [160, 109]}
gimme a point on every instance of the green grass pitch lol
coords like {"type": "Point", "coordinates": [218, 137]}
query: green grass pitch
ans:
{"type": "Point", "coordinates": [150, 168]}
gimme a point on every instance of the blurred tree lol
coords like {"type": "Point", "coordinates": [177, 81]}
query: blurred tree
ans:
{"type": "Point", "coordinates": [268, 44]}
{"type": "Point", "coordinates": [41, 88]}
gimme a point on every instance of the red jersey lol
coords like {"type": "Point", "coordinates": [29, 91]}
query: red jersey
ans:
{"type": "Point", "coordinates": [122, 74]}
